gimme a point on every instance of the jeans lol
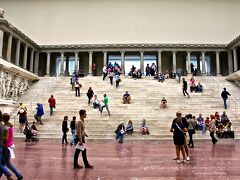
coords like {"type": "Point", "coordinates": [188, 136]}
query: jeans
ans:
{"type": "Point", "coordinates": [51, 111]}
{"type": "Point", "coordinates": [64, 137]}
{"type": "Point", "coordinates": [119, 136]}
{"type": "Point", "coordinates": [7, 162]}
{"type": "Point", "coordinates": [179, 77]}
{"type": "Point", "coordinates": [73, 136]}
{"type": "Point", "coordinates": [225, 103]}
{"type": "Point", "coordinates": [3, 169]}
{"type": "Point", "coordinates": [106, 108]}
{"type": "Point", "coordinates": [203, 126]}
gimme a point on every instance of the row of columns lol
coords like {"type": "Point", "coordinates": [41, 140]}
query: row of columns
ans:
{"type": "Point", "coordinates": [174, 61]}
{"type": "Point", "coordinates": [25, 56]}
{"type": "Point", "coordinates": [232, 63]}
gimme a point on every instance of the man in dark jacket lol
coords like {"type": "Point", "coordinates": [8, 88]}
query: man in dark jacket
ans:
{"type": "Point", "coordinates": [120, 132]}
{"type": "Point", "coordinates": [225, 95]}
{"type": "Point", "coordinates": [185, 87]}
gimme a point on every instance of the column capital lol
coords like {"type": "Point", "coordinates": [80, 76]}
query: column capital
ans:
{"type": "Point", "coordinates": [90, 52]}
{"type": "Point", "coordinates": [203, 52]}
{"type": "Point", "coordinates": [174, 51]}
{"type": "Point", "coordinates": [217, 52]}
{"type": "Point", "coordinates": [159, 51]}
{"type": "Point", "coordinates": [189, 52]}
{"type": "Point", "coordinates": [62, 52]}
{"type": "Point", "coordinates": [48, 53]}
{"type": "Point", "coordinates": [76, 52]}
{"type": "Point", "coordinates": [141, 51]}
{"type": "Point", "coordinates": [122, 51]}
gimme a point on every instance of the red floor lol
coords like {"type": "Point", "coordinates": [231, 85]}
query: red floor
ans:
{"type": "Point", "coordinates": [50, 160]}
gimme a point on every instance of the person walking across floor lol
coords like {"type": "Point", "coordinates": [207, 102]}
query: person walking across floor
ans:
{"type": "Point", "coordinates": [52, 104]}
{"type": "Point", "coordinates": [3, 139]}
{"type": "Point", "coordinates": [225, 95]}
{"type": "Point", "coordinates": [81, 146]}
{"type": "Point", "coordinates": [8, 152]}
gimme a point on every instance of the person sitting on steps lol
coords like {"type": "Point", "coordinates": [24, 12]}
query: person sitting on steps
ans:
{"type": "Point", "coordinates": [126, 98]}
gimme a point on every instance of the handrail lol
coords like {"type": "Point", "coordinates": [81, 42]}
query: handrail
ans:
{"type": "Point", "coordinates": [219, 84]}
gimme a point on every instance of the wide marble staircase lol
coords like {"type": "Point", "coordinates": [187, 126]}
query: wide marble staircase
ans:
{"type": "Point", "coordinates": [146, 96]}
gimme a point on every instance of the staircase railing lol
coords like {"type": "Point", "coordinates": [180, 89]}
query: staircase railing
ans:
{"type": "Point", "coordinates": [232, 101]}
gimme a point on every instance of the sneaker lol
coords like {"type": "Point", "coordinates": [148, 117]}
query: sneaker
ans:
{"type": "Point", "coordinates": [175, 158]}
{"type": "Point", "coordinates": [178, 161]}
{"type": "Point", "coordinates": [188, 158]}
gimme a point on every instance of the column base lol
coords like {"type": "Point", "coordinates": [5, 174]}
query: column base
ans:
{"type": "Point", "coordinates": [47, 75]}
{"type": "Point", "coordinates": [90, 74]}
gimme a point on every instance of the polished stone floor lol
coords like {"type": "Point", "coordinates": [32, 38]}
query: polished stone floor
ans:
{"type": "Point", "coordinates": [50, 160]}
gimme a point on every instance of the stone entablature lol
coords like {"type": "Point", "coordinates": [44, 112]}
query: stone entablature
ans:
{"type": "Point", "coordinates": [234, 43]}
{"type": "Point", "coordinates": [9, 28]}
{"type": "Point", "coordinates": [133, 47]}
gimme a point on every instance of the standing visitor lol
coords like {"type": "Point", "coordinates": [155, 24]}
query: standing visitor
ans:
{"type": "Point", "coordinates": [111, 74]}
{"type": "Point", "coordinates": [52, 104]}
{"type": "Point", "coordinates": [65, 129]}
{"type": "Point", "coordinates": [22, 119]}
{"type": "Point", "coordinates": [117, 77]}
{"type": "Point", "coordinates": [213, 129]}
{"type": "Point", "coordinates": [179, 74]}
{"type": "Point", "coordinates": [191, 129]}
{"type": "Point", "coordinates": [178, 130]}
{"type": "Point", "coordinates": [225, 95]}
{"type": "Point", "coordinates": [77, 88]}
{"type": "Point", "coordinates": [94, 69]}
{"type": "Point", "coordinates": [73, 129]}
{"type": "Point", "coordinates": [81, 134]}
{"type": "Point", "coordinates": [104, 72]}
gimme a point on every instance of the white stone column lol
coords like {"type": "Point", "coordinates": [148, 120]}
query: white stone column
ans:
{"type": "Point", "coordinates": [174, 59]}
{"type": "Point", "coordinates": [76, 62]}
{"type": "Point", "coordinates": [230, 63]}
{"type": "Point", "coordinates": [142, 61]}
{"type": "Point", "coordinates": [235, 59]}
{"type": "Point", "coordinates": [104, 58]}
{"type": "Point", "coordinates": [217, 63]}
{"type": "Point", "coordinates": [90, 53]}
{"type": "Point", "coordinates": [9, 47]}
{"type": "Point", "coordinates": [1, 42]}
{"type": "Point", "coordinates": [123, 62]}
{"type": "Point", "coordinates": [203, 63]}
{"type": "Point", "coordinates": [159, 61]}
{"type": "Point", "coordinates": [48, 64]}
{"type": "Point", "coordinates": [18, 52]}
{"type": "Point", "coordinates": [36, 62]}
{"type": "Point", "coordinates": [31, 61]}
{"type": "Point", "coordinates": [25, 56]}
{"type": "Point", "coordinates": [62, 64]}
{"type": "Point", "coordinates": [189, 62]}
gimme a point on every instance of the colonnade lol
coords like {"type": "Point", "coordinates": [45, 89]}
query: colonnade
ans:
{"type": "Point", "coordinates": [34, 57]}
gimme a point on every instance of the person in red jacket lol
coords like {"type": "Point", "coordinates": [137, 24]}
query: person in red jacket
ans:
{"type": "Point", "coordinates": [52, 104]}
